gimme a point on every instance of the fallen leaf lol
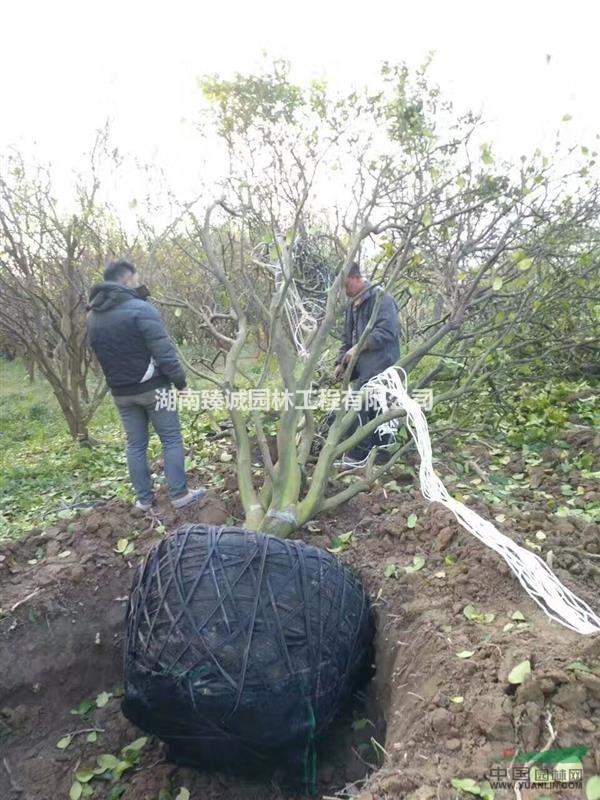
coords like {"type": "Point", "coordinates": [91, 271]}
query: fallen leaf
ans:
{"type": "Point", "coordinates": [418, 563]}
{"type": "Point", "coordinates": [578, 666]}
{"type": "Point", "coordinates": [592, 788]}
{"type": "Point", "coordinates": [517, 674]}
{"type": "Point", "coordinates": [85, 774]}
{"type": "Point", "coordinates": [75, 791]}
{"type": "Point", "coordinates": [63, 743]}
{"type": "Point", "coordinates": [466, 785]}
{"type": "Point", "coordinates": [107, 761]}
{"type": "Point", "coordinates": [137, 745]}
{"type": "Point", "coordinates": [102, 699]}
{"type": "Point", "coordinates": [391, 571]}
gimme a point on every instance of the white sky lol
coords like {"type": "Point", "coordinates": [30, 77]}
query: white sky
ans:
{"type": "Point", "coordinates": [68, 66]}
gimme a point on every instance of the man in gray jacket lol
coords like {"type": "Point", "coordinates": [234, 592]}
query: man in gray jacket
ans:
{"type": "Point", "coordinates": [380, 350]}
{"type": "Point", "coordinates": [138, 360]}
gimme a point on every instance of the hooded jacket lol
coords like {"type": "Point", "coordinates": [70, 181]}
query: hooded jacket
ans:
{"type": "Point", "coordinates": [130, 341]}
{"type": "Point", "coordinates": [382, 346]}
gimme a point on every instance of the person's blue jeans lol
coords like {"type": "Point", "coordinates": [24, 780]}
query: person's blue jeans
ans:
{"type": "Point", "coordinates": [137, 411]}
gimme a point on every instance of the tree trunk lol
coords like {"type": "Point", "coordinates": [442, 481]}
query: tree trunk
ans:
{"type": "Point", "coordinates": [30, 367]}
{"type": "Point", "coordinates": [279, 523]}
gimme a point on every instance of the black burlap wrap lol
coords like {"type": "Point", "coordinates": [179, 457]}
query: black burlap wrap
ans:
{"type": "Point", "coordinates": [241, 647]}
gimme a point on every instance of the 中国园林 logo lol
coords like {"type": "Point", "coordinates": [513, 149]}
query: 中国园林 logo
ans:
{"type": "Point", "coordinates": [542, 769]}
{"type": "Point", "coordinates": [544, 766]}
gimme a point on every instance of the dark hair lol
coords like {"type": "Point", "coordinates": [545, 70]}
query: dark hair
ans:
{"type": "Point", "coordinates": [118, 269]}
{"type": "Point", "coordinates": [354, 271]}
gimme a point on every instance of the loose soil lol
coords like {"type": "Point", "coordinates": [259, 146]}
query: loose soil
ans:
{"type": "Point", "coordinates": [62, 600]}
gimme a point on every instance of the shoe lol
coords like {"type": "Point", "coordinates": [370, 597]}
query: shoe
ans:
{"type": "Point", "coordinates": [143, 506]}
{"type": "Point", "coordinates": [190, 497]}
{"type": "Point", "coordinates": [383, 456]}
{"type": "Point", "coordinates": [351, 462]}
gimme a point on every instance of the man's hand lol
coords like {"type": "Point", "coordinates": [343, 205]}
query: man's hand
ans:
{"type": "Point", "coordinates": [341, 368]}
{"type": "Point", "coordinates": [349, 355]}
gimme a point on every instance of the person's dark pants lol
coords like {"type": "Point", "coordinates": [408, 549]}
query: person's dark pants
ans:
{"type": "Point", "coordinates": [364, 447]}
{"type": "Point", "coordinates": [374, 439]}
{"type": "Point", "coordinates": [137, 411]}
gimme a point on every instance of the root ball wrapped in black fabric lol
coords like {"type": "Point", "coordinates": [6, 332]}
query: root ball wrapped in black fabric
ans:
{"type": "Point", "coordinates": [242, 647]}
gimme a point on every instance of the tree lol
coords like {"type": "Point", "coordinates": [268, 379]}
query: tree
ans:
{"type": "Point", "coordinates": [463, 241]}
{"type": "Point", "coordinates": [48, 261]}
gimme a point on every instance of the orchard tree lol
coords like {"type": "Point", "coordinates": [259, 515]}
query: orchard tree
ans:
{"type": "Point", "coordinates": [48, 260]}
{"type": "Point", "coordinates": [395, 178]}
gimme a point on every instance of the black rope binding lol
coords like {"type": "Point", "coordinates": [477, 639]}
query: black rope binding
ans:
{"type": "Point", "coordinates": [241, 648]}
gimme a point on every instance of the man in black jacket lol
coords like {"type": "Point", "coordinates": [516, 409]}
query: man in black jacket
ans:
{"type": "Point", "coordinates": [138, 359]}
{"type": "Point", "coordinates": [380, 350]}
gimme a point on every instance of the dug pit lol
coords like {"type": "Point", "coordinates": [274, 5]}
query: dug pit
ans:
{"type": "Point", "coordinates": [60, 688]}
{"type": "Point", "coordinates": [427, 717]}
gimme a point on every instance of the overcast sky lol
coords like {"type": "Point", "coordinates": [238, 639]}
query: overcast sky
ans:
{"type": "Point", "coordinates": [68, 66]}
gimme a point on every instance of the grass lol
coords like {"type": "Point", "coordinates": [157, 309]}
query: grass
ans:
{"type": "Point", "coordinates": [43, 471]}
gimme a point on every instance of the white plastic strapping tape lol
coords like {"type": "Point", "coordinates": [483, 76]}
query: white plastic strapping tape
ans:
{"type": "Point", "coordinates": [536, 577]}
